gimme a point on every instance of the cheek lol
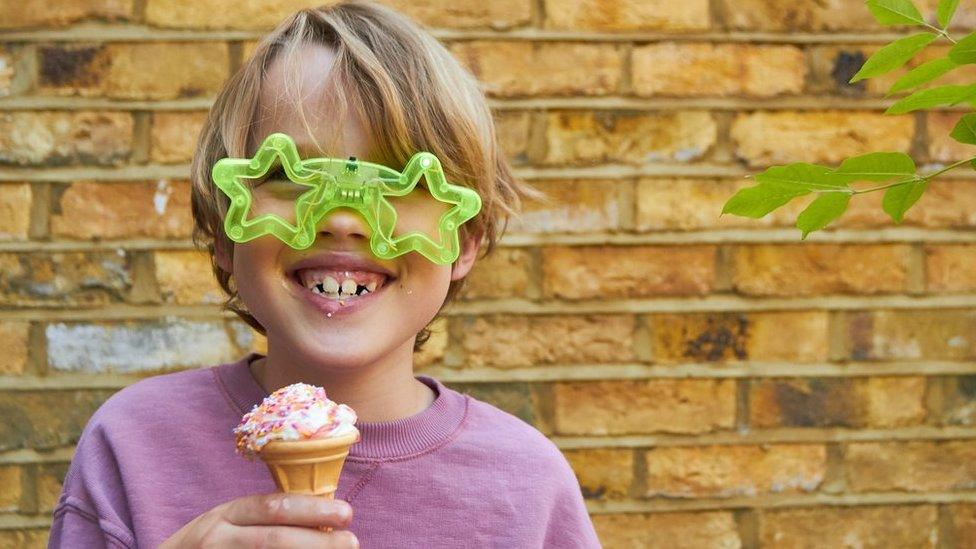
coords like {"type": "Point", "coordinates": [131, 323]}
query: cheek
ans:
{"type": "Point", "coordinates": [425, 281]}
{"type": "Point", "coordinates": [254, 270]}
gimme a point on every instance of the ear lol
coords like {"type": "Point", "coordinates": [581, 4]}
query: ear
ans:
{"type": "Point", "coordinates": [469, 252]}
{"type": "Point", "coordinates": [222, 253]}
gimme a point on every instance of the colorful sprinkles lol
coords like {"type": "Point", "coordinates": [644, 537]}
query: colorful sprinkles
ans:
{"type": "Point", "coordinates": [296, 412]}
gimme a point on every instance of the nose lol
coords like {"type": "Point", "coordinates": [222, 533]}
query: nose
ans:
{"type": "Point", "coordinates": [342, 224]}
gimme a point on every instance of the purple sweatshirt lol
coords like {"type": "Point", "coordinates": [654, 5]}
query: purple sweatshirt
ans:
{"type": "Point", "coordinates": [462, 473]}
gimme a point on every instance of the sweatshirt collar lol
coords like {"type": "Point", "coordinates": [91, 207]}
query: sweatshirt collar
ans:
{"type": "Point", "coordinates": [400, 438]}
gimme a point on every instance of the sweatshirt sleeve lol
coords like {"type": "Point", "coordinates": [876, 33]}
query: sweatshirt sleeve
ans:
{"type": "Point", "coordinates": [92, 510]}
{"type": "Point", "coordinates": [569, 525]}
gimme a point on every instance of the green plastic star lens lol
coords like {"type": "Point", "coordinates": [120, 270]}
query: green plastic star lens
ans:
{"type": "Point", "coordinates": [317, 186]}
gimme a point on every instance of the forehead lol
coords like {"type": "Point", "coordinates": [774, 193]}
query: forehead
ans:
{"type": "Point", "coordinates": [299, 97]}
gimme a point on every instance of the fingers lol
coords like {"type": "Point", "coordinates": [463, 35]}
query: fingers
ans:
{"type": "Point", "coordinates": [288, 510]}
{"type": "Point", "coordinates": [292, 536]}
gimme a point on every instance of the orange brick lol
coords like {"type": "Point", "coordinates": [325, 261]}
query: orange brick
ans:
{"type": "Point", "coordinates": [15, 207]}
{"type": "Point", "coordinates": [943, 148]}
{"type": "Point", "coordinates": [917, 466]}
{"type": "Point", "coordinates": [64, 278]}
{"type": "Point", "coordinates": [518, 69]}
{"type": "Point", "coordinates": [512, 130]}
{"type": "Point", "coordinates": [764, 138]}
{"type": "Point", "coordinates": [945, 204]}
{"type": "Point", "coordinates": [595, 272]}
{"type": "Point", "coordinates": [626, 15]}
{"type": "Point", "coordinates": [911, 334]}
{"type": "Point", "coordinates": [523, 341]}
{"type": "Point", "coordinates": [950, 267]}
{"type": "Point", "coordinates": [33, 138]}
{"type": "Point", "coordinates": [47, 419]}
{"type": "Point", "coordinates": [729, 471]}
{"type": "Point", "coordinates": [837, 402]}
{"type": "Point", "coordinates": [833, 66]}
{"type": "Point", "coordinates": [174, 136]}
{"type": "Point", "coordinates": [263, 15]}
{"type": "Point", "coordinates": [13, 346]}
{"type": "Point", "coordinates": [959, 404]}
{"type": "Point", "coordinates": [963, 517]}
{"type": "Point", "coordinates": [41, 13]}
{"type": "Point", "coordinates": [502, 14]}
{"type": "Point", "coordinates": [603, 473]}
{"type": "Point", "coordinates": [15, 71]}
{"type": "Point", "coordinates": [186, 278]}
{"type": "Point", "coordinates": [121, 70]}
{"type": "Point", "coordinates": [653, 406]}
{"type": "Point", "coordinates": [706, 69]}
{"type": "Point", "coordinates": [783, 15]}
{"type": "Point", "coordinates": [680, 204]}
{"type": "Point", "coordinates": [816, 269]}
{"type": "Point", "coordinates": [668, 530]}
{"type": "Point", "coordinates": [200, 15]}
{"type": "Point", "coordinates": [24, 539]}
{"type": "Point", "coordinates": [503, 274]}
{"type": "Point", "coordinates": [49, 481]}
{"type": "Point", "coordinates": [573, 206]}
{"type": "Point", "coordinates": [124, 210]}
{"type": "Point", "coordinates": [11, 492]}
{"type": "Point", "coordinates": [634, 138]}
{"type": "Point", "coordinates": [867, 527]}
{"type": "Point", "coordinates": [706, 337]}
{"type": "Point", "coordinates": [516, 398]}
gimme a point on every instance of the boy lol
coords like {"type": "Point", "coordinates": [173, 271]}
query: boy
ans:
{"type": "Point", "coordinates": [156, 464]}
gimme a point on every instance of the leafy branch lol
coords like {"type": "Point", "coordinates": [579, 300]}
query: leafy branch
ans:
{"type": "Point", "coordinates": [903, 186]}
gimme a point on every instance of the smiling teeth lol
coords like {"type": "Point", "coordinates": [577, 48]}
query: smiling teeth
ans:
{"type": "Point", "coordinates": [331, 288]}
{"type": "Point", "coordinates": [330, 285]}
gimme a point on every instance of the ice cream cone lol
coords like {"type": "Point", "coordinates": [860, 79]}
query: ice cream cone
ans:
{"type": "Point", "coordinates": [308, 466]}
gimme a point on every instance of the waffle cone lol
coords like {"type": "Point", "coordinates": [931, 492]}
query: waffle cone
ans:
{"type": "Point", "coordinates": [308, 466]}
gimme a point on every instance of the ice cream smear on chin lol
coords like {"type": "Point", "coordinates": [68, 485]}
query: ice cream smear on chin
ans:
{"type": "Point", "coordinates": [296, 412]}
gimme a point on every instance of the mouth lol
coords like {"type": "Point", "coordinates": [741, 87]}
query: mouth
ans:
{"type": "Point", "coordinates": [341, 285]}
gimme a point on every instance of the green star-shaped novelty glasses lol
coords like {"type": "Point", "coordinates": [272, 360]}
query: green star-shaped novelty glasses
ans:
{"type": "Point", "coordinates": [335, 183]}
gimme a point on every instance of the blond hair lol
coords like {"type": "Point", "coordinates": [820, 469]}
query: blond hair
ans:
{"type": "Point", "coordinates": [411, 95]}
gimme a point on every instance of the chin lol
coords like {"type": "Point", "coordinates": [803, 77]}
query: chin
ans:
{"type": "Point", "coordinates": [340, 353]}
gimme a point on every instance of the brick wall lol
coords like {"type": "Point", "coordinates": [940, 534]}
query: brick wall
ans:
{"type": "Point", "coordinates": [714, 381]}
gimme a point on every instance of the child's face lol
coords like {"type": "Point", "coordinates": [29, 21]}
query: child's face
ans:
{"type": "Point", "coordinates": [309, 323]}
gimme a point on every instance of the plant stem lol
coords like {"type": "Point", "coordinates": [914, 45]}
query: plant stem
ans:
{"type": "Point", "coordinates": [942, 32]}
{"type": "Point", "coordinates": [916, 178]}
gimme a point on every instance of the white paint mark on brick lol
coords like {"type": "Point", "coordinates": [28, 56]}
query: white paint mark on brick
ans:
{"type": "Point", "coordinates": [135, 347]}
{"type": "Point", "coordinates": [163, 190]}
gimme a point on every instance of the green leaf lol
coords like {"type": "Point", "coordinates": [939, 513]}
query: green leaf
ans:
{"type": "Point", "coordinates": [893, 55]}
{"type": "Point", "coordinates": [923, 74]}
{"type": "Point", "coordinates": [899, 198]}
{"type": "Point", "coordinates": [964, 51]}
{"type": "Point", "coordinates": [811, 177]}
{"type": "Point", "coordinates": [877, 166]}
{"type": "Point", "coordinates": [945, 11]}
{"type": "Point", "coordinates": [965, 130]}
{"type": "Point", "coordinates": [933, 97]}
{"type": "Point", "coordinates": [895, 12]}
{"type": "Point", "coordinates": [824, 209]}
{"type": "Point", "coordinates": [759, 200]}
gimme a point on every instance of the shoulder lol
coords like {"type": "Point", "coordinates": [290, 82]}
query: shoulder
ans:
{"type": "Point", "coordinates": [503, 433]}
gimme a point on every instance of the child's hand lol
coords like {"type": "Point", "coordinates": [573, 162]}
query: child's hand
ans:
{"type": "Point", "coordinates": [272, 520]}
